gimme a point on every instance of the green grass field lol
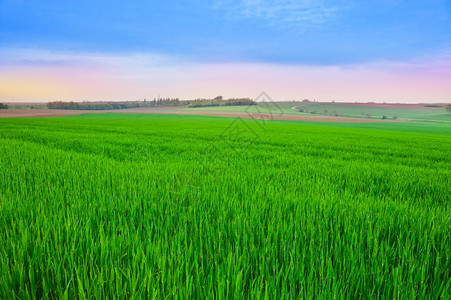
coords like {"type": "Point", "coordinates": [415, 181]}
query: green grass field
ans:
{"type": "Point", "coordinates": [428, 115]}
{"type": "Point", "coordinates": [275, 108]}
{"type": "Point", "coordinates": [436, 114]}
{"type": "Point", "coordinates": [172, 206]}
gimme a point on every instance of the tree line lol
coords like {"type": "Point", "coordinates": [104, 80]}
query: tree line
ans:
{"type": "Point", "coordinates": [156, 102]}
{"type": "Point", "coordinates": [3, 106]}
{"type": "Point", "coordinates": [218, 101]}
{"type": "Point", "coordinates": [86, 105]}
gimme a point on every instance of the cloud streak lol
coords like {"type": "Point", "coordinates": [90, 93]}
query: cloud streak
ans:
{"type": "Point", "coordinates": [40, 57]}
{"type": "Point", "coordinates": [299, 15]}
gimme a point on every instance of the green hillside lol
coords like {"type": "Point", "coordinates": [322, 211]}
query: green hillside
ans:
{"type": "Point", "coordinates": [337, 109]}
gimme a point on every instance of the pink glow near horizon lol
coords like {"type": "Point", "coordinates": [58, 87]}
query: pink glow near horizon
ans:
{"type": "Point", "coordinates": [133, 78]}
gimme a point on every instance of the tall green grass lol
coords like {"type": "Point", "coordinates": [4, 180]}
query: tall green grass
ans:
{"type": "Point", "coordinates": [187, 207]}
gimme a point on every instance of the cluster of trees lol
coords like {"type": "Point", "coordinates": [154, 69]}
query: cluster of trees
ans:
{"type": "Point", "coordinates": [395, 117]}
{"type": "Point", "coordinates": [325, 112]}
{"type": "Point", "coordinates": [113, 105]}
{"type": "Point", "coordinates": [90, 105]}
{"type": "Point", "coordinates": [156, 102]}
{"type": "Point", "coordinates": [3, 106]}
{"type": "Point", "coordinates": [448, 108]}
{"type": "Point", "coordinates": [218, 101]}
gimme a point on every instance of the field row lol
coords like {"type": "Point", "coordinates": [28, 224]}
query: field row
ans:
{"type": "Point", "coordinates": [196, 207]}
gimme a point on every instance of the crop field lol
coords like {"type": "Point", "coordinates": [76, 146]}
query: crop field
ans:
{"type": "Point", "coordinates": [188, 207]}
{"type": "Point", "coordinates": [426, 114]}
{"type": "Point", "coordinates": [275, 108]}
{"type": "Point", "coordinates": [345, 110]}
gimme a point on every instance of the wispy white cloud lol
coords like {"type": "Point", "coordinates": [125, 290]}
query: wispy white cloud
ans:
{"type": "Point", "coordinates": [295, 14]}
{"type": "Point", "coordinates": [42, 57]}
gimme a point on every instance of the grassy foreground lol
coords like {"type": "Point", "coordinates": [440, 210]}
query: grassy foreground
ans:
{"type": "Point", "coordinates": [193, 207]}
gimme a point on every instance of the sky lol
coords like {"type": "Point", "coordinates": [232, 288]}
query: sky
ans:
{"type": "Point", "coordinates": [342, 50]}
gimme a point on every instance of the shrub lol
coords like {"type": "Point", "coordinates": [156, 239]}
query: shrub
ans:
{"type": "Point", "coordinates": [384, 118]}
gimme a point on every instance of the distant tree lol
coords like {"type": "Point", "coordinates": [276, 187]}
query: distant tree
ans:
{"type": "Point", "coordinates": [448, 108]}
{"type": "Point", "coordinates": [384, 118]}
{"type": "Point", "coordinates": [395, 117]}
{"type": "Point", "coordinates": [3, 106]}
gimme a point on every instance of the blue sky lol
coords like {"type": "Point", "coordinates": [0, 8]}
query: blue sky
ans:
{"type": "Point", "coordinates": [285, 33]}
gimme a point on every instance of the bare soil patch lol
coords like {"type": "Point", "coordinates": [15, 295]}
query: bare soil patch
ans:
{"type": "Point", "coordinates": [260, 116]}
{"type": "Point", "coordinates": [45, 113]}
{"type": "Point", "coordinates": [397, 105]}
{"type": "Point", "coordinates": [37, 113]}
